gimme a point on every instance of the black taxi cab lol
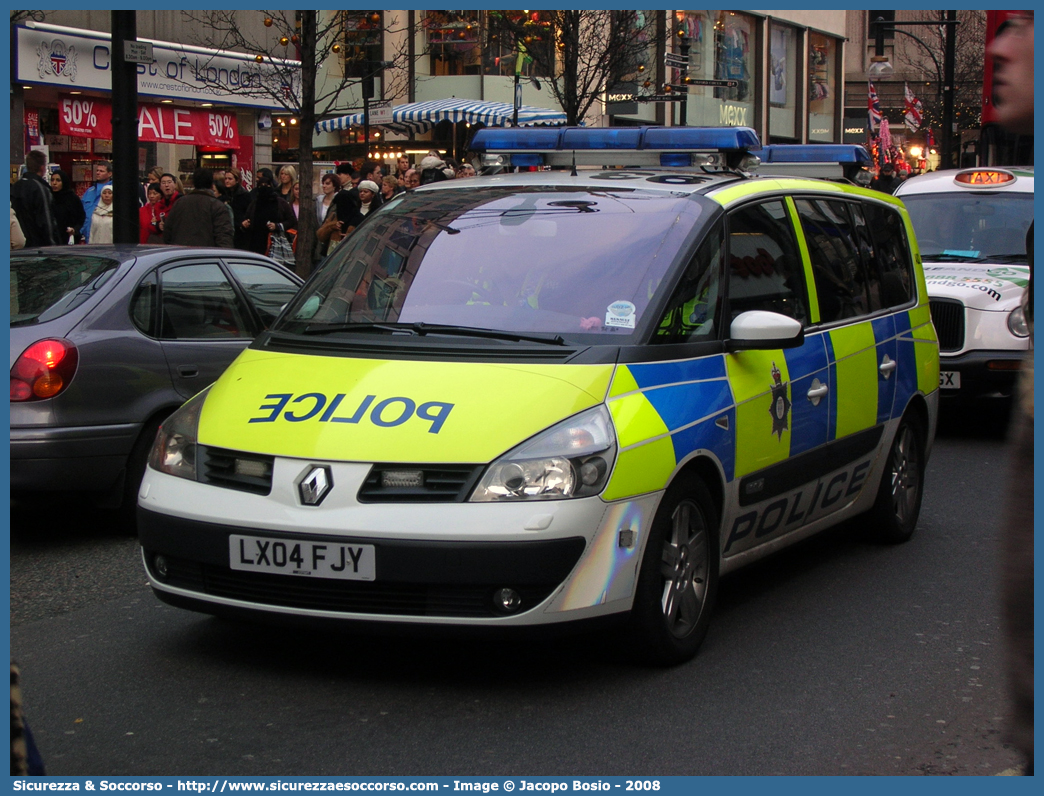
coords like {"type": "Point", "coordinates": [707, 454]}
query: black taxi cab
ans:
{"type": "Point", "coordinates": [554, 396]}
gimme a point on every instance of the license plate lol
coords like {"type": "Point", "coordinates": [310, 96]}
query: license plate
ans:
{"type": "Point", "coordinates": [303, 559]}
{"type": "Point", "coordinates": [949, 379]}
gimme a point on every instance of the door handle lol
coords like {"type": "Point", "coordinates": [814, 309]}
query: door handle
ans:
{"type": "Point", "coordinates": [817, 392]}
{"type": "Point", "coordinates": [887, 366]}
{"type": "Point", "coordinates": [188, 371]}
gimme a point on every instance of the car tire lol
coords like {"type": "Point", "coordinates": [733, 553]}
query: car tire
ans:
{"type": "Point", "coordinates": [135, 472]}
{"type": "Point", "coordinates": [678, 577]}
{"type": "Point", "coordinates": [893, 518]}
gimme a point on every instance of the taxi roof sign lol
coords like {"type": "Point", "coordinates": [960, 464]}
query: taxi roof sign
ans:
{"type": "Point", "coordinates": [984, 178]}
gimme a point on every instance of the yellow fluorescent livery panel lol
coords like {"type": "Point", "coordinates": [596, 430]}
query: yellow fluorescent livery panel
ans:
{"type": "Point", "coordinates": [377, 410]}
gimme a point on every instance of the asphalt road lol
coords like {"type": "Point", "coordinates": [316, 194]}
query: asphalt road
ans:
{"type": "Point", "coordinates": [834, 657]}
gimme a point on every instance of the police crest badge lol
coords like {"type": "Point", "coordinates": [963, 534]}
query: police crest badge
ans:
{"type": "Point", "coordinates": [780, 407]}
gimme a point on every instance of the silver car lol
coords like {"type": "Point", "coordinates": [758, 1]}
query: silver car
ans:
{"type": "Point", "coordinates": [106, 341]}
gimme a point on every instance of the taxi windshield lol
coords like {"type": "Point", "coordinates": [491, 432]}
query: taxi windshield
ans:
{"type": "Point", "coordinates": [966, 226]}
{"type": "Point", "coordinates": [538, 260]}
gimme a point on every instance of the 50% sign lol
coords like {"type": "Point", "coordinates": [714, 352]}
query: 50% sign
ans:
{"type": "Point", "coordinates": [79, 113]}
{"type": "Point", "coordinates": [221, 125]}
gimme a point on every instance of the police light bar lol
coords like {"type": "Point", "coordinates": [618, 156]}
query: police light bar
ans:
{"type": "Point", "coordinates": [824, 161]}
{"type": "Point", "coordinates": [709, 147]}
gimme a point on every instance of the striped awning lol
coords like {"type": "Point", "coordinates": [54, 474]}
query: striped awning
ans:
{"type": "Point", "coordinates": [419, 117]}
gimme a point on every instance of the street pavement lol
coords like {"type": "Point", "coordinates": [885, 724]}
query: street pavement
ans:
{"type": "Point", "coordinates": [834, 657]}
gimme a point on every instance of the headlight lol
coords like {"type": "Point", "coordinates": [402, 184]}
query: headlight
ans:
{"type": "Point", "coordinates": [1017, 323]}
{"type": "Point", "coordinates": [570, 459]}
{"type": "Point", "coordinates": [174, 451]}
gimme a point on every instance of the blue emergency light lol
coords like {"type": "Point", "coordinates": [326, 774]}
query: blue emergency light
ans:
{"type": "Point", "coordinates": [516, 139]}
{"type": "Point", "coordinates": [616, 146]}
{"type": "Point", "coordinates": [815, 153]}
{"type": "Point", "coordinates": [849, 162]}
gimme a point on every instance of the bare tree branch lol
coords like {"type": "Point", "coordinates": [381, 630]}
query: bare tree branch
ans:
{"type": "Point", "coordinates": [592, 50]}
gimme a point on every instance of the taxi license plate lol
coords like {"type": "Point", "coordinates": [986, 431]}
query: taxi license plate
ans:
{"type": "Point", "coordinates": [949, 379]}
{"type": "Point", "coordinates": [303, 559]}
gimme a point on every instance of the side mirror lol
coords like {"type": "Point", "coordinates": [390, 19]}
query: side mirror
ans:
{"type": "Point", "coordinates": [759, 329]}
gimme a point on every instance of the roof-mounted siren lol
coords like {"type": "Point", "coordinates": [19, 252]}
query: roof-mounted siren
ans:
{"type": "Point", "coordinates": [711, 148]}
{"type": "Point", "coordinates": [849, 162]}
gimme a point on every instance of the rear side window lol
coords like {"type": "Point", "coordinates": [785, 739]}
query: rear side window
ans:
{"type": "Point", "coordinates": [890, 256]}
{"type": "Point", "coordinates": [268, 289]}
{"type": "Point", "coordinates": [833, 250]}
{"type": "Point", "coordinates": [197, 301]}
{"type": "Point", "coordinates": [765, 271]}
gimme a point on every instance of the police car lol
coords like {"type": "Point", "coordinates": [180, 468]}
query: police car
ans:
{"type": "Point", "coordinates": [538, 398]}
{"type": "Point", "coordinates": [971, 228]}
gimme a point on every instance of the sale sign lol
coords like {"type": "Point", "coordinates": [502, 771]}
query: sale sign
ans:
{"type": "Point", "coordinates": [165, 124]}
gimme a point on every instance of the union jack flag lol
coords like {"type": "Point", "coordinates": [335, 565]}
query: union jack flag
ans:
{"type": "Point", "coordinates": [914, 111]}
{"type": "Point", "coordinates": [873, 108]}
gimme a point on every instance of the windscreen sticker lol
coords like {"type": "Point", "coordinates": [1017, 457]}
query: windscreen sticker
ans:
{"type": "Point", "coordinates": [621, 314]}
{"type": "Point", "coordinates": [960, 253]}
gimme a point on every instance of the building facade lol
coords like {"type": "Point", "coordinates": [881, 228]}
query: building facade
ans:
{"type": "Point", "coordinates": [780, 72]}
{"type": "Point", "coordinates": [61, 91]}
{"type": "Point", "coordinates": [785, 70]}
{"type": "Point", "coordinates": [915, 55]}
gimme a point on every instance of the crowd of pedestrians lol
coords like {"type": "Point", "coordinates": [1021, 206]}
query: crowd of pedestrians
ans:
{"type": "Point", "coordinates": [215, 209]}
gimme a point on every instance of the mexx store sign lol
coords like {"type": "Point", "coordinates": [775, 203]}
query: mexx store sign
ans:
{"type": "Point", "coordinates": [69, 58]}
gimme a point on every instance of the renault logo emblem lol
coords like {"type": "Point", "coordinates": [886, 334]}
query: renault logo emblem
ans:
{"type": "Point", "coordinates": [314, 485]}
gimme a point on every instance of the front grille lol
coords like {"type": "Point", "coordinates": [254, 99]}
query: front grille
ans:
{"type": "Point", "coordinates": [324, 594]}
{"type": "Point", "coordinates": [440, 483]}
{"type": "Point", "coordinates": [948, 317]}
{"type": "Point", "coordinates": [219, 467]}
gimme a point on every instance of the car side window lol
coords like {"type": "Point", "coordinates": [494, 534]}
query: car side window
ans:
{"type": "Point", "coordinates": [268, 290]}
{"type": "Point", "coordinates": [891, 254]}
{"type": "Point", "coordinates": [143, 305]}
{"type": "Point", "coordinates": [833, 251]}
{"type": "Point", "coordinates": [692, 312]}
{"type": "Point", "coordinates": [765, 271]}
{"type": "Point", "coordinates": [197, 301]}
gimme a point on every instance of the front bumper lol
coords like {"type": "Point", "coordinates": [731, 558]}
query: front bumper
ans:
{"type": "Point", "coordinates": [983, 374]}
{"type": "Point", "coordinates": [436, 564]}
{"type": "Point", "coordinates": [88, 458]}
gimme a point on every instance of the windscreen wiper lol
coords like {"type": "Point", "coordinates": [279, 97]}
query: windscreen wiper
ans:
{"type": "Point", "coordinates": [422, 329]}
{"type": "Point", "coordinates": [333, 328]}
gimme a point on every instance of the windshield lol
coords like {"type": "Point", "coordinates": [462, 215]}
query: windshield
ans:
{"type": "Point", "coordinates": [544, 260]}
{"type": "Point", "coordinates": [44, 288]}
{"type": "Point", "coordinates": [971, 226]}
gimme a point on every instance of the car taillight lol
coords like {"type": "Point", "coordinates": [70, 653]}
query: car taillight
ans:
{"type": "Point", "coordinates": [43, 370]}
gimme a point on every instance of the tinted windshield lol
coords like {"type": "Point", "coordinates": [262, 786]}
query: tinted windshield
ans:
{"type": "Point", "coordinates": [519, 259]}
{"type": "Point", "coordinates": [973, 226]}
{"type": "Point", "coordinates": [44, 288]}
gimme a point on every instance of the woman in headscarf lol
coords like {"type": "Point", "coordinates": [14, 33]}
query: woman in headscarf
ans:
{"type": "Point", "coordinates": [68, 209]}
{"type": "Point", "coordinates": [267, 213]}
{"type": "Point", "coordinates": [101, 220]}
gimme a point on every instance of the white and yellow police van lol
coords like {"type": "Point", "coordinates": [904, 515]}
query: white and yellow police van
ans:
{"type": "Point", "coordinates": [544, 397]}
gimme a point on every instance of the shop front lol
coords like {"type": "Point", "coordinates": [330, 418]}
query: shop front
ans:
{"type": "Point", "coordinates": [197, 107]}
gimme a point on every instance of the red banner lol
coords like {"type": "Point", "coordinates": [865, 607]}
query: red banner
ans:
{"type": "Point", "coordinates": [165, 124]}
